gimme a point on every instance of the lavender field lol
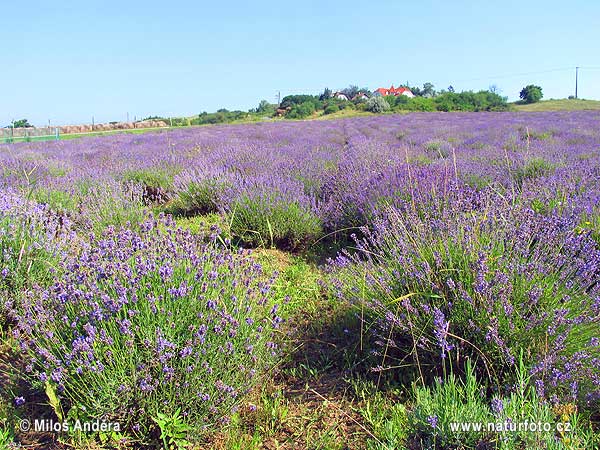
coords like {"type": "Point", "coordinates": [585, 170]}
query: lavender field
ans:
{"type": "Point", "coordinates": [354, 283]}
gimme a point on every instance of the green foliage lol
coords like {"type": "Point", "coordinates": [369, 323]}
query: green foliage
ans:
{"type": "Point", "coordinates": [531, 94]}
{"type": "Point", "coordinates": [437, 149]}
{"type": "Point", "coordinates": [264, 107]}
{"type": "Point", "coordinates": [173, 430]}
{"type": "Point", "coordinates": [156, 183]}
{"type": "Point", "coordinates": [301, 111]}
{"type": "Point", "coordinates": [440, 412]}
{"type": "Point", "coordinates": [199, 198]}
{"type": "Point", "coordinates": [428, 90]}
{"type": "Point", "coordinates": [151, 177]}
{"type": "Point", "coordinates": [221, 116]}
{"type": "Point", "coordinates": [351, 91]}
{"type": "Point", "coordinates": [470, 101]}
{"type": "Point", "coordinates": [167, 318]}
{"type": "Point", "coordinates": [25, 257]}
{"type": "Point", "coordinates": [331, 108]}
{"type": "Point", "coordinates": [60, 202]}
{"type": "Point", "coordinates": [296, 100]}
{"type": "Point", "coordinates": [6, 438]}
{"type": "Point", "coordinates": [450, 101]}
{"type": "Point", "coordinates": [23, 123]}
{"type": "Point", "coordinates": [377, 105]}
{"type": "Point", "coordinates": [107, 205]}
{"type": "Point", "coordinates": [262, 222]}
{"type": "Point", "coordinates": [532, 169]}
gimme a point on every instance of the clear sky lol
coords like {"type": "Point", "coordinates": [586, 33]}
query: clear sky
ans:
{"type": "Point", "coordinates": [68, 61]}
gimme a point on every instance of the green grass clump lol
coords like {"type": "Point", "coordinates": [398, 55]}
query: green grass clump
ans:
{"type": "Point", "coordinates": [199, 198]}
{"type": "Point", "coordinates": [157, 183]}
{"type": "Point", "coordinates": [477, 181]}
{"type": "Point", "coordinates": [27, 254]}
{"type": "Point", "coordinates": [436, 149]}
{"type": "Point", "coordinates": [262, 222]}
{"type": "Point", "coordinates": [532, 169]}
{"type": "Point", "coordinates": [441, 412]}
{"type": "Point", "coordinates": [58, 201]}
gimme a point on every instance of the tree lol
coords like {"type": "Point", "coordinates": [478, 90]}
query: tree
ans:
{"type": "Point", "coordinates": [531, 94]}
{"type": "Point", "coordinates": [417, 92]}
{"type": "Point", "coordinates": [377, 105]}
{"type": "Point", "coordinates": [351, 91]}
{"type": "Point", "coordinates": [428, 90]}
{"type": "Point", "coordinates": [494, 89]}
{"type": "Point", "coordinates": [23, 123]}
{"type": "Point", "coordinates": [264, 107]}
{"type": "Point", "coordinates": [326, 95]}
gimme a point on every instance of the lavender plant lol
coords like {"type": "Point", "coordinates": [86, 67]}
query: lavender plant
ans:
{"type": "Point", "coordinates": [482, 280]}
{"type": "Point", "coordinates": [147, 323]}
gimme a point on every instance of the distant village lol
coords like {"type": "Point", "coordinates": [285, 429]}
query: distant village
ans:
{"type": "Point", "coordinates": [379, 92]}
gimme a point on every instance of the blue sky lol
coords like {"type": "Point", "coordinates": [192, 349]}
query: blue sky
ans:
{"type": "Point", "coordinates": [68, 61]}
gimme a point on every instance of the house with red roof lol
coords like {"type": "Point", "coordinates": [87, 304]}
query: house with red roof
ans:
{"type": "Point", "coordinates": [393, 91]}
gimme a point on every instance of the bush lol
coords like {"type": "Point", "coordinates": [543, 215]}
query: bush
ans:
{"type": "Point", "coordinates": [296, 100]}
{"type": "Point", "coordinates": [452, 402]}
{"type": "Point", "coordinates": [531, 94]}
{"type": "Point", "coordinates": [31, 241]}
{"type": "Point", "coordinates": [377, 105]}
{"type": "Point", "coordinates": [331, 108]}
{"type": "Point", "coordinates": [156, 183]}
{"type": "Point", "coordinates": [108, 203]}
{"type": "Point", "coordinates": [148, 324]}
{"type": "Point", "coordinates": [266, 221]}
{"type": "Point", "coordinates": [199, 198]}
{"type": "Point", "coordinates": [301, 111]}
{"type": "Point", "coordinates": [468, 278]}
{"type": "Point", "coordinates": [532, 169]}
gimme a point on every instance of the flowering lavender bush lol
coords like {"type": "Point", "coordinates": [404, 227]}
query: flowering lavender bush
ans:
{"type": "Point", "coordinates": [150, 322]}
{"type": "Point", "coordinates": [32, 238]}
{"type": "Point", "coordinates": [475, 278]}
{"type": "Point", "coordinates": [269, 215]}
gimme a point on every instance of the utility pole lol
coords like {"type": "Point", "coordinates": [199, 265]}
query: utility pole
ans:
{"type": "Point", "coordinates": [278, 98]}
{"type": "Point", "coordinates": [576, 76]}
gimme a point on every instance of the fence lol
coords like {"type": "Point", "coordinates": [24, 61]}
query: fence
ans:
{"type": "Point", "coordinates": [10, 135]}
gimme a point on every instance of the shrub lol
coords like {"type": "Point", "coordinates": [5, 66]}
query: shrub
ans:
{"type": "Point", "coordinates": [61, 202]}
{"type": "Point", "coordinates": [531, 94]}
{"type": "Point", "coordinates": [532, 169]}
{"type": "Point", "coordinates": [156, 183]}
{"type": "Point", "coordinates": [331, 108]}
{"type": "Point", "coordinates": [482, 280]}
{"type": "Point", "coordinates": [301, 111]}
{"type": "Point", "coordinates": [442, 410]}
{"type": "Point", "coordinates": [108, 203]}
{"type": "Point", "coordinates": [265, 220]}
{"type": "Point", "coordinates": [31, 241]}
{"type": "Point", "coordinates": [296, 100]}
{"type": "Point", "coordinates": [199, 198]}
{"type": "Point", "coordinates": [377, 105]}
{"type": "Point", "coordinates": [149, 324]}
{"type": "Point", "coordinates": [437, 149]}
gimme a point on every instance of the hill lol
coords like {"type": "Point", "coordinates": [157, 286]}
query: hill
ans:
{"type": "Point", "coordinates": [559, 105]}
